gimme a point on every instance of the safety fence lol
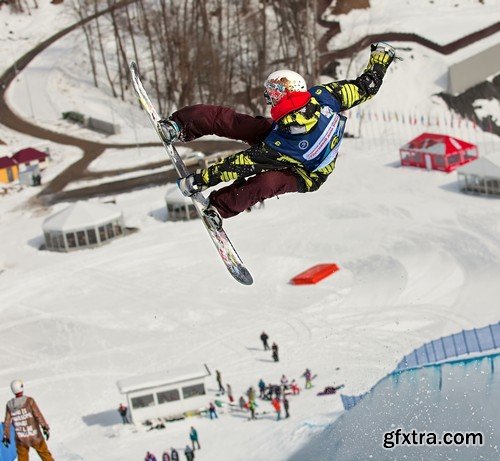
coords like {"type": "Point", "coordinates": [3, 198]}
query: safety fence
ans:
{"type": "Point", "coordinates": [392, 128]}
{"type": "Point", "coordinates": [465, 342]}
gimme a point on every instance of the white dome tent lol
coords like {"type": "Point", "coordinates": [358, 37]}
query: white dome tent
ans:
{"type": "Point", "coordinates": [179, 207]}
{"type": "Point", "coordinates": [83, 225]}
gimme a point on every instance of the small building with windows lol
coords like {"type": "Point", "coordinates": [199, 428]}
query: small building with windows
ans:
{"type": "Point", "coordinates": [166, 394]}
{"type": "Point", "coordinates": [83, 225]}
{"type": "Point", "coordinates": [480, 177]}
{"type": "Point", "coordinates": [179, 207]}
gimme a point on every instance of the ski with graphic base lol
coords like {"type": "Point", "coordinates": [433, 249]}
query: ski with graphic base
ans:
{"type": "Point", "coordinates": [225, 248]}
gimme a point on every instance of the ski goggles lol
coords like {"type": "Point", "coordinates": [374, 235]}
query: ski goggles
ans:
{"type": "Point", "coordinates": [273, 92]}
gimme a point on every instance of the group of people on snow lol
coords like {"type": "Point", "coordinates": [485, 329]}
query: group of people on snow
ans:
{"type": "Point", "coordinates": [276, 394]}
{"type": "Point", "coordinates": [173, 454]}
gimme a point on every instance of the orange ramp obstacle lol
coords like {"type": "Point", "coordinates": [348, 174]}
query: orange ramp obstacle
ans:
{"type": "Point", "coordinates": [314, 274]}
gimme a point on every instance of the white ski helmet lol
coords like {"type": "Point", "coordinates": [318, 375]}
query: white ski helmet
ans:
{"type": "Point", "coordinates": [281, 82]}
{"type": "Point", "coordinates": [17, 386]}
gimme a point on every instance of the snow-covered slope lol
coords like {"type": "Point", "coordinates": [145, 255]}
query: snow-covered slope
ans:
{"type": "Point", "coordinates": [431, 401]}
{"type": "Point", "coordinates": [418, 260]}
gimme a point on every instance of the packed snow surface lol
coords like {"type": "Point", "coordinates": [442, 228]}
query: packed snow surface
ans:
{"type": "Point", "coordinates": [432, 402]}
{"type": "Point", "coordinates": [418, 260]}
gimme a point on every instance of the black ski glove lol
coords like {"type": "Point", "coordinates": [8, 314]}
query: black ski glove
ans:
{"type": "Point", "coordinates": [370, 81]}
{"type": "Point", "coordinates": [46, 433]}
{"type": "Point", "coordinates": [5, 441]}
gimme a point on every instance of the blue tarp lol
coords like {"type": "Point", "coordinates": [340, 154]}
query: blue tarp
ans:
{"type": "Point", "coordinates": [8, 454]}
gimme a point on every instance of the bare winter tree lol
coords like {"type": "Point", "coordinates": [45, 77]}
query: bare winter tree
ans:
{"type": "Point", "coordinates": [203, 51]}
{"type": "Point", "coordinates": [81, 12]}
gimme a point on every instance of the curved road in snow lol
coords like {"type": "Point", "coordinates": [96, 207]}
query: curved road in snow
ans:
{"type": "Point", "coordinates": [54, 190]}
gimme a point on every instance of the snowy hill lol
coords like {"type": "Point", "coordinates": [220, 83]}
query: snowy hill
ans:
{"type": "Point", "coordinates": [418, 260]}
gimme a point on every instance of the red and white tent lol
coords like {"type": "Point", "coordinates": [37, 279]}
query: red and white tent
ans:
{"type": "Point", "coordinates": [437, 152]}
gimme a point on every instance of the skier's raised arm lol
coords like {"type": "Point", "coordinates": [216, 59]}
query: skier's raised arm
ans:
{"type": "Point", "coordinates": [350, 93]}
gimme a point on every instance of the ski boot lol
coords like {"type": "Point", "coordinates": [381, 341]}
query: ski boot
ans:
{"type": "Point", "coordinates": [212, 218]}
{"type": "Point", "coordinates": [169, 130]}
{"type": "Point", "coordinates": [210, 215]}
{"type": "Point", "coordinates": [188, 187]}
{"type": "Point", "coordinates": [382, 54]}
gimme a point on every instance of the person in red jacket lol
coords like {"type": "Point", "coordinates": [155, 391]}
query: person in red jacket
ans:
{"type": "Point", "coordinates": [277, 407]}
{"type": "Point", "coordinates": [296, 151]}
{"type": "Point", "coordinates": [29, 423]}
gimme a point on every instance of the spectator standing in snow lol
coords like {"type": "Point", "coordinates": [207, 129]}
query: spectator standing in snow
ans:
{"type": "Point", "coordinates": [122, 409]}
{"type": "Point", "coordinates": [277, 391]}
{"type": "Point", "coordinates": [174, 455]}
{"type": "Point", "coordinates": [252, 406]}
{"type": "Point", "coordinates": [269, 390]}
{"type": "Point", "coordinates": [286, 406]}
{"type": "Point", "coordinates": [308, 376]}
{"type": "Point", "coordinates": [189, 453]}
{"type": "Point", "coordinates": [242, 403]}
{"type": "Point", "coordinates": [284, 383]}
{"type": "Point", "coordinates": [229, 393]}
{"type": "Point", "coordinates": [251, 394]}
{"type": "Point", "coordinates": [211, 411]}
{"type": "Point", "coordinates": [218, 377]}
{"type": "Point", "coordinates": [262, 388]}
{"type": "Point", "coordinates": [165, 456]}
{"type": "Point", "coordinates": [29, 424]}
{"type": "Point", "coordinates": [274, 348]}
{"type": "Point", "coordinates": [193, 435]}
{"type": "Point", "coordinates": [277, 406]}
{"type": "Point", "coordinates": [295, 387]}
{"type": "Point", "coordinates": [264, 337]}
{"type": "Point", "coordinates": [150, 457]}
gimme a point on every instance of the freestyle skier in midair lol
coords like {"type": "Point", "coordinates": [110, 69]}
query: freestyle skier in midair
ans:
{"type": "Point", "coordinates": [296, 151]}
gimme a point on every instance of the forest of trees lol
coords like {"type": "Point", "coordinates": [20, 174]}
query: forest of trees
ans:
{"type": "Point", "coordinates": [20, 6]}
{"type": "Point", "coordinates": [200, 51]}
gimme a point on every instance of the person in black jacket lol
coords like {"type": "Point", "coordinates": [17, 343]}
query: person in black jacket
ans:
{"type": "Point", "coordinates": [218, 377]}
{"type": "Point", "coordinates": [274, 348]}
{"type": "Point", "coordinates": [174, 455]}
{"type": "Point", "coordinates": [264, 337]}
{"type": "Point", "coordinates": [189, 453]}
{"type": "Point", "coordinates": [286, 406]}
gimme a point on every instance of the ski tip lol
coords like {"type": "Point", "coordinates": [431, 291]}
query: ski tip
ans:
{"type": "Point", "coordinates": [242, 275]}
{"type": "Point", "coordinates": [133, 68]}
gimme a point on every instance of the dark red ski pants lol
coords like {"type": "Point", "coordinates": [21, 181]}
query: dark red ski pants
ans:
{"type": "Point", "coordinates": [243, 193]}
